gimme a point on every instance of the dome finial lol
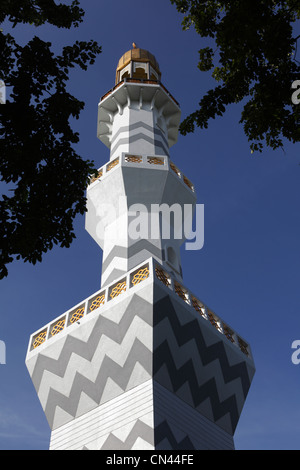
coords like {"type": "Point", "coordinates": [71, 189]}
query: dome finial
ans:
{"type": "Point", "coordinates": [134, 45]}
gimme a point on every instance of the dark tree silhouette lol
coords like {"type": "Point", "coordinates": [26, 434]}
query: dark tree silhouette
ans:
{"type": "Point", "coordinates": [36, 155]}
{"type": "Point", "coordinates": [252, 54]}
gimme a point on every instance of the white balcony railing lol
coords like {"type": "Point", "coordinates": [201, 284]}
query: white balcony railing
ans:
{"type": "Point", "coordinates": [153, 271]}
{"type": "Point", "coordinates": [143, 161]}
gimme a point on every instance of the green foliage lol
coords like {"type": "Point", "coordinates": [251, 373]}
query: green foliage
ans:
{"type": "Point", "coordinates": [257, 62]}
{"type": "Point", "coordinates": [49, 178]}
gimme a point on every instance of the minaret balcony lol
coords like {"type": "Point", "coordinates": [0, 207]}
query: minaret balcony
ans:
{"type": "Point", "coordinates": [99, 303]}
{"type": "Point", "coordinates": [141, 161]}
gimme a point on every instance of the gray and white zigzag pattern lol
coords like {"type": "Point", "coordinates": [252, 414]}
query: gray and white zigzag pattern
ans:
{"type": "Point", "coordinates": [162, 439]}
{"type": "Point", "coordinates": [195, 371]}
{"type": "Point", "coordinates": [114, 353]}
{"type": "Point", "coordinates": [118, 356]}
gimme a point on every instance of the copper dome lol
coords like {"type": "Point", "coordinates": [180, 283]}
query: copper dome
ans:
{"type": "Point", "coordinates": [137, 55]}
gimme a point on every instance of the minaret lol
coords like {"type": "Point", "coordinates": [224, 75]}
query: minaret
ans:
{"type": "Point", "coordinates": [142, 363]}
{"type": "Point", "coordinates": [138, 121]}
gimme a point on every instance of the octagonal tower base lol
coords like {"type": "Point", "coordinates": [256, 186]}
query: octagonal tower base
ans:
{"type": "Point", "coordinates": [151, 368]}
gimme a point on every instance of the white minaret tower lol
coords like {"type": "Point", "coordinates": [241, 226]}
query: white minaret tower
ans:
{"type": "Point", "coordinates": [138, 121]}
{"type": "Point", "coordinates": [142, 363]}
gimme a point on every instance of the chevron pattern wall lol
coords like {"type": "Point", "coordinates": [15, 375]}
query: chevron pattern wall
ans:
{"type": "Point", "coordinates": [150, 345]}
{"type": "Point", "coordinates": [193, 361]}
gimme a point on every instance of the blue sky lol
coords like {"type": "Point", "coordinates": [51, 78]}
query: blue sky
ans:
{"type": "Point", "coordinates": [248, 269]}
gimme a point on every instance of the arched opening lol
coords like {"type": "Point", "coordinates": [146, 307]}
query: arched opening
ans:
{"type": "Point", "coordinates": [140, 73]}
{"type": "Point", "coordinates": [140, 70]}
{"type": "Point", "coordinates": [125, 75]}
